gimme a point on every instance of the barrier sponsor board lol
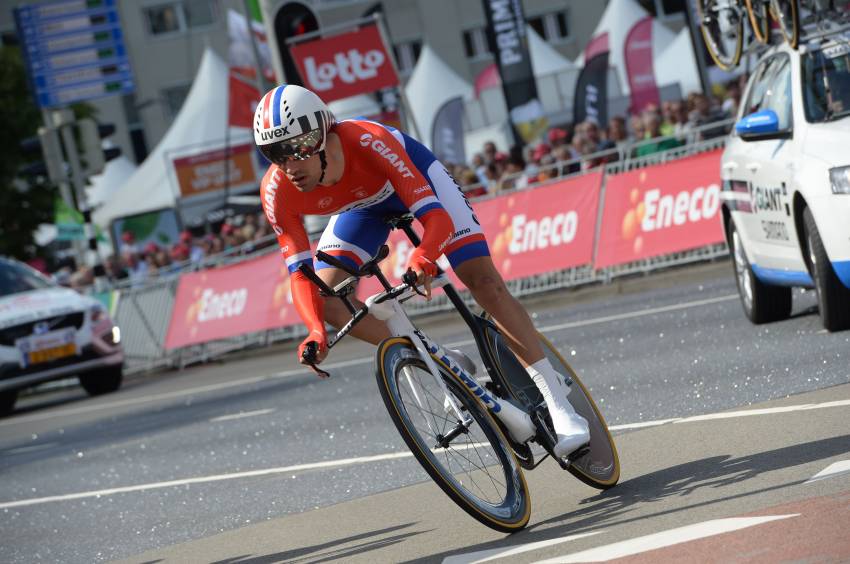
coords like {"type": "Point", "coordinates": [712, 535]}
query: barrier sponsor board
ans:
{"type": "Point", "coordinates": [225, 302]}
{"type": "Point", "coordinates": [344, 65]}
{"type": "Point", "coordinates": [661, 209]}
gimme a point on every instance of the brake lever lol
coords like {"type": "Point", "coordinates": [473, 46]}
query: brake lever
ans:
{"type": "Point", "coordinates": [311, 352]}
{"type": "Point", "coordinates": [410, 279]}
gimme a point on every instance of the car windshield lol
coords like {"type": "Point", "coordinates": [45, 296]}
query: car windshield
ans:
{"type": "Point", "coordinates": [16, 278]}
{"type": "Point", "coordinates": [826, 82]}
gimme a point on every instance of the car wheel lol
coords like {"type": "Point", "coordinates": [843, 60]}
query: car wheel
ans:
{"type": "Point", "coordinates": [7, 402]}
{"type": "Point", "coordinates": [102, 381]}
{"type": "Point", "coordinates": [833, 296]}
{"type": "Point", "coordinates": [762, 302]}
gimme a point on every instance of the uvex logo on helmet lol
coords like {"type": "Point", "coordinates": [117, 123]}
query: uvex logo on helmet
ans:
{"type": "Point", "coordinates": [268, 135]}
{"type": "Point", "coordinates": [381, 148]}
{"type": "Point", "coordinates": [349, 66]}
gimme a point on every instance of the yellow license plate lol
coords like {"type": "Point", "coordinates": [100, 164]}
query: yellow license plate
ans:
{"type": "Point", "coordinates": [46, 355]}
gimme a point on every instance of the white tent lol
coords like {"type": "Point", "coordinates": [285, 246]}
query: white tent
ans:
{"type": "Point", "coordinates": [106, 184]}
{"type": "Point", "coordinates": [677, 64]}
{"type": "Point", "coordinates": [545, 59]}
{"type": "Point", "coordinates": [619, 18]}
{"type": "Point", "coordinates": [202, 120]}
{"type": "Point", "coordinates": [354, 106]}
{"type": "Point", "coordinates": [432, 83]}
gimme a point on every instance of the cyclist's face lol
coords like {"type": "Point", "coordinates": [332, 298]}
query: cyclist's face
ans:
{"type": "Point", "coordinates": [303, 174]}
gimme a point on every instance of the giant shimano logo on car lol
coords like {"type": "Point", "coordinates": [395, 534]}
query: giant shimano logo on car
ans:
{"type": "Point", "coordinates": [381, 148]}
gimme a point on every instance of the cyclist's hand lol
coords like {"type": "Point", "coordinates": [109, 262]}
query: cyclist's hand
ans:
{"type": "Point", "coordinates": [424, 269]}
{"type": "Point", "coordinates": [321, 339]}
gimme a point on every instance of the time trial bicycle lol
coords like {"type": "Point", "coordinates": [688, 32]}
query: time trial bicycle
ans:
{"type": "Point", "coordinates": [472, 436]}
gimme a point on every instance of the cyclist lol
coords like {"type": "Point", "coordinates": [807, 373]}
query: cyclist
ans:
{"type": "Point", "coordinates": [359, 172]}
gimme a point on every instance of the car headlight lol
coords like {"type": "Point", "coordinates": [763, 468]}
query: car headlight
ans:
{"type": "Point", "coordinates": [98, 312]}
{"type": "Point", "coordinates": [840, 179]}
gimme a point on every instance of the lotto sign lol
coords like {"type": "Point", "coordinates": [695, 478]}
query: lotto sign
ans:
{"type": "Point", "coordinates": [226, 302]}
{"type": "Point", "coordinates": [345, 65]}
{"type": "Point", "coordinates": [661, 209]}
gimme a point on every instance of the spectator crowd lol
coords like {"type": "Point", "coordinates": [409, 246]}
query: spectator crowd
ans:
{"type": "Point", "coordinates": [565, 149]}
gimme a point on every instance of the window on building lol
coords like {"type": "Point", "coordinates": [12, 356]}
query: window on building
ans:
{"type": "Point", "coordinates": [173, 97]}
{"type": "Point", "coordinates": [663, 8]}
{"type": "Point", "coordinates": [552, 27]}
{"type": "Point", "coordinates": [406, 55]}
{"type": "Point", "coordinates": [475, 43]}
{"type": "Point", "coordinates": [181, 15]}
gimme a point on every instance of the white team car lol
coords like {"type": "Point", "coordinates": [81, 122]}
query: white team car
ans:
{"type": "Point", "coordinates": [786, 182]}
{"type": "Point", "coordinates": [48, 332]}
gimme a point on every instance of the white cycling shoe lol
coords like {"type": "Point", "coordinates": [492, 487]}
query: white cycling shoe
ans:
{"type": "Point", "coordinates": [571, 428]}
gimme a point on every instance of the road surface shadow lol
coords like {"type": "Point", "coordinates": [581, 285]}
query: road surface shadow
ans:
{"type": "Point", "coordinates": [612, 507]}
{"type": "Point", "coordinates": [330, 551]}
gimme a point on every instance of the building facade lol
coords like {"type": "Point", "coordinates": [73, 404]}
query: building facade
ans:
{"type": "Point", "coordinates": [166, 40]}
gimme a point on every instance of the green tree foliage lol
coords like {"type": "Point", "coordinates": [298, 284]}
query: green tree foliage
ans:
{"type": "Point", "coordinates": [24, 203]}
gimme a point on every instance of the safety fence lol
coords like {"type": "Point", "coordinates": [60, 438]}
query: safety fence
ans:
{"type": "Point", "coordinates": [631, 216]}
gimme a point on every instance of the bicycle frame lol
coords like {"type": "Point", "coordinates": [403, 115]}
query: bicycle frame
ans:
{"type": "Point", "coordinates": [517, 421]}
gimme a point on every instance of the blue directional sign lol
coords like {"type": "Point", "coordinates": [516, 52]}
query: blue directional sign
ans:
{"type": "Point", "coordinates": [74, 51]}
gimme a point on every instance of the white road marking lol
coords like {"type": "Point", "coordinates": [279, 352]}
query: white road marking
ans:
{"type": "Point", "coordinates": [241, 415]}
{"type": "Point", "coordinates": [664, 539]}
{"type": "Point", "coordinates": [642, 424]}
{"type": "Point", "coordinates": [496, 553]}
{"type": "Point", "coordinates": [30, 448]}
{"type": "Point", "coordinates": [221, 477]}
{"type": "Point", "coordinates": [206, 479]}
{"type": "Point", "coordinates": [831, 471]}
{"type": "Point", "coordinates": [332, 366]}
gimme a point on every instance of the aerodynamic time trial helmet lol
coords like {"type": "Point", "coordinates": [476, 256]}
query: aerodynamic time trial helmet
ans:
{"type": "Point", "coordinates": [291, 122]}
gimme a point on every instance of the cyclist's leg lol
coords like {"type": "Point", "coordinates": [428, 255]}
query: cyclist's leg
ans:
{"type": "Point", "coordinates": [470, 258]}
{"type": "Point", "coordinates": [352, 237]}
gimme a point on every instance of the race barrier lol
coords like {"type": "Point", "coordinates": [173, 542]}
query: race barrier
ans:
{"type": "Point", "coordinates": [633, 216]}
{"type": "Point", "coordinates": [661, 209]}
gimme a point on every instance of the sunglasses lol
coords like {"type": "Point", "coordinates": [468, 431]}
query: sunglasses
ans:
{"type": "Point", "coordinates": [298, 148]}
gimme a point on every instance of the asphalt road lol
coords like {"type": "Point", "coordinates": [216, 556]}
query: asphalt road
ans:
{"type": "Point", "coordinates": [268, 463]}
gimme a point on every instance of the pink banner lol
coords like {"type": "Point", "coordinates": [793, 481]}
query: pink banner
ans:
{"type": "Point", "coordinates": [661, 209]}
{"type": "Point", "coordinates": [230, 301]}
{"type": "Point", "coordinates": [596, 46]}
{"type": "Point", "coordinates": [639, 66]}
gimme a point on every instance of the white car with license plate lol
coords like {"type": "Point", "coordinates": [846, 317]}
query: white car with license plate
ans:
{"type": "Point", "coordinates": [48, 332]}
{"type": "Point", "coordinates": [786, 182]}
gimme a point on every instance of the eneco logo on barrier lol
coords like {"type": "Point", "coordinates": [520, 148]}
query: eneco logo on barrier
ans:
{"type": "Point", "coordinates": [528, 235]}
{"type": "Point", "coordinates": [350, 67]}
{"type": "Point", "coordinates": [221, 306]}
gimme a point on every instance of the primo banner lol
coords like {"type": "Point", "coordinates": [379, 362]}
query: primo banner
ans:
{"type": "Point", "coordinates": [509, 42]}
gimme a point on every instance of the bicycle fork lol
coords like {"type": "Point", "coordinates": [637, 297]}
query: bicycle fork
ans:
{"type": "Point", "coordinates": [518, 422]}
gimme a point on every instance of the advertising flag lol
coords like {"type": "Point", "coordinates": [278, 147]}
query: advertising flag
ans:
{"type": "Point", "coordinates": [509, 44]}
{"type": "Point", "coordinates": [447, 134]}
{"type": "Point", "coordinates": [639, 66]}
{"type": "Point", "coordinates": [591, 97]}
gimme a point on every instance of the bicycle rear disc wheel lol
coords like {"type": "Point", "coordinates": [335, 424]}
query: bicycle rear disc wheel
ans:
{"type": "Point", "coordinates": [759, 13]}
{"type": "Point", "coordinates": [787, 14]}
{"type": "Point", "coordinates": [600, 466]}
{"type": "Point", "coordinates": [722, 30]}
{"type": "Point", "coordinates": [477, 469]}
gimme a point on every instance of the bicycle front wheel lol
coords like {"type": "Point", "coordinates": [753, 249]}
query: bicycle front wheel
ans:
{"type": "Point", "coordinates": [599, 467]}
{"type": "Point", "coordinates": [469, 459]}
{"type": "Point", "coordinates": [723, 30]}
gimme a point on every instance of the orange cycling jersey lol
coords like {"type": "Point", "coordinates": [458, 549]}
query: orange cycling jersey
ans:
{"type": "Point", "coordinates": [377, 168]}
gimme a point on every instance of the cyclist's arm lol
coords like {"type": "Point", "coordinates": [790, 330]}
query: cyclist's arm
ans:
{"type": "Point", "coordinates": [295, 248]}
